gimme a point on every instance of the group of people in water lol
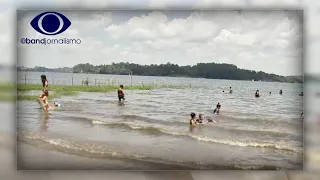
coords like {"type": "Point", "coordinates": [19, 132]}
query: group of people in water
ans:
{"type": "Point", "coordinates": [199, 120]}
{"type": "Point", "coordinates": [44, 101]}
{"type": "Point", "coordinates": [44, 97]}
{"type": "Point", "coordinates": [257, 94]}
{"type": "Point", "coordinates": [193, 121]}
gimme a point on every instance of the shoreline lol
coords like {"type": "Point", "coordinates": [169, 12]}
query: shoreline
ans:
{"type": "Point", "coordinates": [164, 76]}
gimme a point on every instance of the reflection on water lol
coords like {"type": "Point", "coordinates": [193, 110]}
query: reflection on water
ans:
{"type": "Point", "coordinates": [44, 121]}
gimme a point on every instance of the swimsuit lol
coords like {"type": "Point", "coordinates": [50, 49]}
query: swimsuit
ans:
{"type": "Point", "coordinates": [120, 94]}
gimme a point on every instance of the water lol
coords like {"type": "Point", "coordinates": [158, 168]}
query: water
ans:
{"type": "Point", "coordinates": [151, 127]}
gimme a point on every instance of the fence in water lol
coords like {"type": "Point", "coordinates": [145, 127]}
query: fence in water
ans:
{"type": "Point", "coordinates": [87, 81]}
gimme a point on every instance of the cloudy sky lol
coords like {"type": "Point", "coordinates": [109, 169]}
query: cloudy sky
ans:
{"type": "Point", "coordinates": [114, 37]}
{"type": "Point", "coordinates": [269, 41]}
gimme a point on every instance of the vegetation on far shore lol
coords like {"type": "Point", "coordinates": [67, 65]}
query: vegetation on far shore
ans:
{"type": "Point", "coordinates": [201, 70]}
{"type": "Point", "coordinates": [67, 90]}
{"type": "Point", "coordinates": [7, 90]}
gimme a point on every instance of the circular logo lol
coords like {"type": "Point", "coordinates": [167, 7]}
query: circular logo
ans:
{"type": "Point", "coordinates": [50, 23]}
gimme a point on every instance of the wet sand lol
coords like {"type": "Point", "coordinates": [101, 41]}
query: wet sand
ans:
{"type": "Point", "coordinates": [32, 155]}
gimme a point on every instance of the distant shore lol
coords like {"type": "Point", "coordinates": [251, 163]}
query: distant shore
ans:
{"type": "Point", "coordinates": [200, 70]}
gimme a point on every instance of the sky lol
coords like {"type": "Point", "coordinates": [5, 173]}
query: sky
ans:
{"type": "Point", "coordinates": [269, 42]}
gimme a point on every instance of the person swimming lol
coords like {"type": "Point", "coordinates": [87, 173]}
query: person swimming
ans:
{"type": "Point", "coordinates": [230, 90]}
{"type": "Point", "coordinates": [257, 94]}
{"type": "Point", "coordinates": [280, 92]}
{"type": "Point", "coordinates": [270, 92]}
{"type": "Point", "coordinates": [193, 120]}
{"type": "Point", "coordinates": [301, 94]}
{"type": "Point", "coordinates": [217, 109]}
{"type": "Point", "coordinates": [56, 104]}
{"type": "Point", "coordinates": [120, 93]}
{"type": "Point", "coordinates": [201, 119]}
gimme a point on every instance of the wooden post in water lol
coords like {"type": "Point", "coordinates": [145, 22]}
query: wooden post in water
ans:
{"type": "Point", "coordinates": [72, 81]}
{"type": "Point", "coordinates": [131, 78]}
{"type": "Point", "coordinates": [87, 81]}
{"type": "Point", "coordinates": [25, 79]}
{"type": "Point", "coordinates": [95, 82]}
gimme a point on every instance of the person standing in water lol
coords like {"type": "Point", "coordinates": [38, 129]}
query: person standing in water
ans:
{"type": "Point", "coordinates": [44, 82]}
{"type": "Point", "coordinates": [44, 99]}
{"type": "Point", "coordinates": [230, 90]}
{"type": "Point", "coordinates": [120, 93]}
{"type": "Point", "coordinates": [301, 94]}
{"type": "Point", "coordinates": [257, 94]}
{"type": "Point", "coordinates": [217, 109]}
{"type": "Point", "coordinates": [280, 92]}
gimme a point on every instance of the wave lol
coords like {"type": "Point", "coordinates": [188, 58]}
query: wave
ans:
{"type": "Point", "coordinates": [180, 123]}
{"type": "Point", "coordinates": [154, 130]}
{"type": "Point", "coordinates": [296, 121]}
{"type": "Point", "coordinates": [96, 150]}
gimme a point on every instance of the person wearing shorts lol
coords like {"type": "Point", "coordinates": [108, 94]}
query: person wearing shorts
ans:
{"type": "Point", "coordinates": [120, 93]}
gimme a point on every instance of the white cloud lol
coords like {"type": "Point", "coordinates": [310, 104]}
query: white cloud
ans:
{"type": "Point", "coordinates": [220, 3]}
{"type": "Point", "coordinates": [311, 18]}
{"type": "Point", "coordinates": [290, 3]}
{"type": "Point", "coordinates": [265, 43]}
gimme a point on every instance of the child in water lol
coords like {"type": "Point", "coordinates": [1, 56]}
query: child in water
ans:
{"type": "Point", "coordinates": [193, 120]}
{"type": "Point", "coordinates": [44, 99]}
{"type": "Point", "coordinates": [120, 93]}
{"type": "Point", "coordinates": [257, 94]}
{"type": "Point", "coordinates": [217, 109]}
{"type": "Point", "coordinates": [56, 104]}
{"type": "Point", "coordinates": [201, 119]}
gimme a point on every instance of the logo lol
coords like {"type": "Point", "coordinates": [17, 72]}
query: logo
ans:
{"type": "Point", "coordinates": [50, 23]}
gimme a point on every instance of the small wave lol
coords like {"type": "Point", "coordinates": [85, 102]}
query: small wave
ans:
{"type": "Point", "coordinates": [127, 124]}
{"type": "Point", "coordinates": [296, 121]}
{"type": "Point", "coordinates": [95, 150]}
{"type": "Point", "coordinates": [148, 129]}
{"type": "Point", "coordinates": [155, 130]}
{"type": "Point", "coordinates": [247, 144]}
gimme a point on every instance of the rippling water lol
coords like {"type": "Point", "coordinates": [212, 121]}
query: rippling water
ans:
{"type": "Point", "coordinates": [151, 127]}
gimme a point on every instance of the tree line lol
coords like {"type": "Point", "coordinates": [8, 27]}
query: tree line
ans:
{"type": "Point", "coordinates": [200, 70]}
